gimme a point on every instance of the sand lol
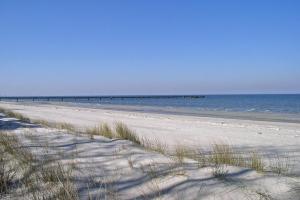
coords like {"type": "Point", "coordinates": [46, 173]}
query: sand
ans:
{"type": "Point", "coordinates": [270, 138]}
{"type": "Point", "coordinates": [178, 129]}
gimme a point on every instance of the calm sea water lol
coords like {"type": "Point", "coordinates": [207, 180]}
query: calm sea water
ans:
{"type": "Point", "coordinates": [236, 103]}
{"type": "Point", "coordinates": [289, 104]}
{"type": "Point", "coordinates": [272, 104]}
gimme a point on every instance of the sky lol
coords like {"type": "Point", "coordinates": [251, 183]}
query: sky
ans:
{"type": "Point", "coordinates": [134, 47]}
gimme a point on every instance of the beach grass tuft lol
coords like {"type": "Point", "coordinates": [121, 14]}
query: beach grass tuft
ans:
{"type": "Point", "coordinates": [222, 154]}
{"type": "Point", "coordinates": [256, 162]}
{"type": "Point", "coordinates": [180, 153]}
{"type": "Point", "coordinates": [125, 133]}
{"type": "Point", "coordinates": [16, 115]}
{"type": "Point", "coordinates": [103, 130]}
{"type": "Point", "coordinates": [66, 126]}
{"type": "Point", "coordinates": [18, 170]}
{"type": "Point", "coordinates": [7, 174]}
{"type": "Point", "coordinates": [225, 154]}
{"type": "Point", "coordinates": [154, 145]}
{"type": "Point", "coordinates": [12, 159]}
{"type": "Point", "coordinates": [220, 171]}
{"type": "Point", "coordinates": [281, 165]}
{"type": "Point", "coordinates": [54, 173]}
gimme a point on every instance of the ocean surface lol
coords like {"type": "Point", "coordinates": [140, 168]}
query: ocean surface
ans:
{"type": "Point", "coordinates": [281, 106]}
{"type": "Point", "coordinates": [236, 103]}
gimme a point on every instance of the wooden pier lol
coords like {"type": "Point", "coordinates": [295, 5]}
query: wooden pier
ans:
{"type": "Point", "coordinates": [93, 98]}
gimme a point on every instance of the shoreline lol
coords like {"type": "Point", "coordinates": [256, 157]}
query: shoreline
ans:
{"type": "Point", "coordinates": [164, 125]}
{"type": "Point", "coordinates": [180, 111]}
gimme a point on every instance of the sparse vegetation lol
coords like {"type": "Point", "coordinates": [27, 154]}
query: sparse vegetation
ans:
{"type": "Point", "coordinates": [49, 179]}
{"type": "Point", "coordinates": [281, 165]}
{"type": "Point", "coordinates": [130, 162]}
{"type": "Point", "coordinates": [54, 173]}
{"type": "Point", "coordinates": [42, 122]}
{"type": "Point", "coordinates": [19, 169]}
{"type": "Point", "coordinates": [220, 171]}
{"type": "Point", "coordinates": [201, 158]}
{"type": "Point", "coordinates": [16, 115]}
{"type": "Point", "coordinates": [9, 144]}
{"type": "Point", "coordinates": [125, 133]}
{"type": "Point", "coordinates": [256, 162]}
{"type": "Point", "coordinates": [103, 130]}
{"type": "Point", "coordinates": [263, 195]}
{"type": "Point", "coordinates": [7, 174]}
{"type": "Point", "coordinates": [220, 153]}
{"type": "Point", "coordinates": [12, 159]}
{"type": "Point", "coordinates": [57, 125]}
{"type": "Point", "coordinates": [154, 145]}
{"type": "Point", "coordinates": [180, 153]}
{"type": "Point", "coordinates": [151, 169]}
{"type": "Point", "coordinates": [65, 126]}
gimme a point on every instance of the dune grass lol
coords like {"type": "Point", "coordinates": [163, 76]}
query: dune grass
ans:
{"type": "Point", "coordinates": [102, 129]}
{"type": "Point", "coordinates": [18, 170]}
{"type": "Point", "coordinates": [220, 171]}
{"type": "Point", "coordinates": [12, 160]}
{"type": "Point", "coordinates": [7, 174]}
{"type": "Point", "coordinates": [181, 152]}
{"type": "Point", "coordinates": [54, 173]}
{"type": "Point", "coordinates": [281, 165]}
{"type": "Point", "coordinates": [154, 145]}
{"type": "Point", "coordinates": [9, 144]}
{"type": "Point", "coordinates": [222, 154]}
{"type": "Point", "coordinates": [16, 115]}
{"type": "Point", "coordinates": [57, 125]}
{"type": "Point", "coordinates": [64, 125]}
{"type": "Point", "coordinates": [125, 133]}
{"type": "Point", "coordinates": [225, 154]}
{"type": "Point", "coordinates": [57, 174]}
{"type": "Point", "coordinates": [256, 162]}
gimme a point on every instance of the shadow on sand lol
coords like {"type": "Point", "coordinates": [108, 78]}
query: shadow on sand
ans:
{"type": "Point", "coordinates": [102, 165]}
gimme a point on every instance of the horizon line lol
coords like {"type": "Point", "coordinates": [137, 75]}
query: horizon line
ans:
{"type": "Point", "coordinates": [146, 95]}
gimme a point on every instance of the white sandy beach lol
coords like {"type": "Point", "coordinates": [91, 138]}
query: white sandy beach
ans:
{"type": "Point", "coordinates": [270, 138]}
{"type": "Point", "coordinates": [177, 129]}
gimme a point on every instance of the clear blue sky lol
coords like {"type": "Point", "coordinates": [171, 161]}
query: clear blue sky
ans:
{"type": "Point", "coordinates": [60, 47]}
